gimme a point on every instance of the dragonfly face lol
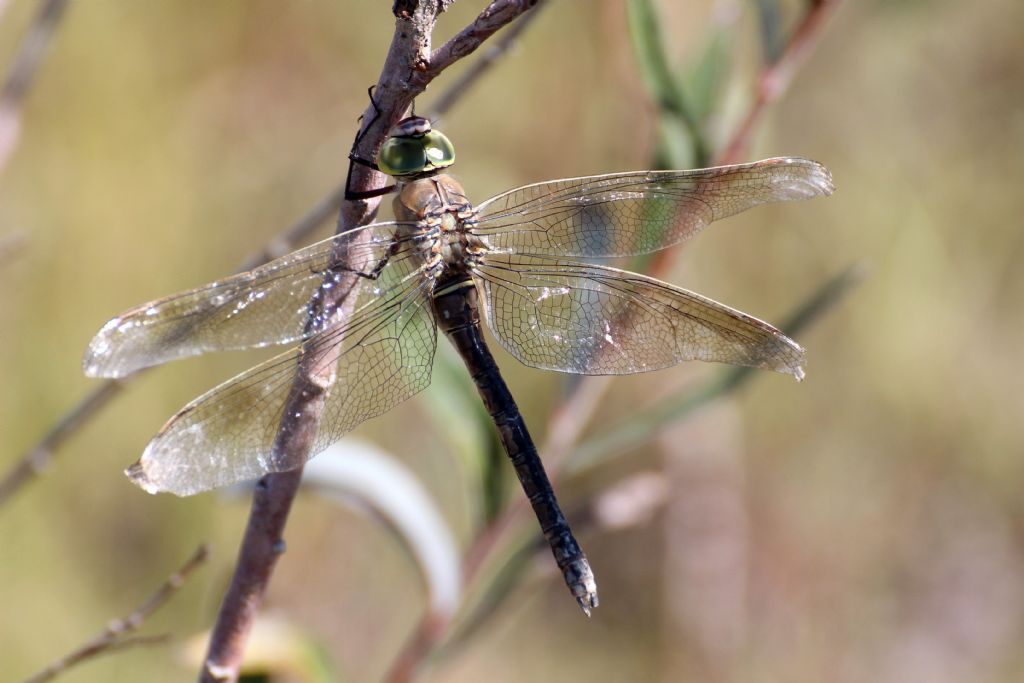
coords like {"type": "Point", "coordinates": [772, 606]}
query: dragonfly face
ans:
{"type": "Point", "coordinates": [399, 281]}
{"type": "Point", "coordinates": [413, 149]}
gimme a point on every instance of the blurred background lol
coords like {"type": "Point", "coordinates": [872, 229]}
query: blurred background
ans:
{"type": "Point", "coordinates": [863, 525]}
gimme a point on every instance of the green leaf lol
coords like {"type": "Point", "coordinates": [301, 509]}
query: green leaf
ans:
{"type": "Point", "coordinates": [773, 42]}
{"type": "Point", "coordinates": [665, 89]}
{"type": "Point", "coordinates": [706, 80]}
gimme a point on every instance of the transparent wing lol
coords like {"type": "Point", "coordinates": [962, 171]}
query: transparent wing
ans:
{"type": "Point", "coordinates": [595, 320]}
{"type": "Point", "coordinates": [265, 306]}
{"type": "Point", "coordinates": [380, 356]}
{"type": "Point", "coordinates": [623, 214]}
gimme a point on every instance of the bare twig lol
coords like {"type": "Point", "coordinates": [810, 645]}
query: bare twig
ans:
{"type": "Point", "coordinates": [299, 231]}
{"type": "Point", "coordinates": [496, 15]}
{"type": "Point", "coordinates": [116, 636]}
{"type": "Point", "coordinates": [39, 457]}
{"type": "Point", "coordinates": [408, 68]}
{"type": "Point", "coordinates": [417, 648]}
{"type": "Point", "coordinates": [776, 76]}
{"type": "Point", "coordinates": [481, 66]}
{"type": "Point", "coordinates": [23, 70]}
{"type": "Point", "coordinates": [261, 547]}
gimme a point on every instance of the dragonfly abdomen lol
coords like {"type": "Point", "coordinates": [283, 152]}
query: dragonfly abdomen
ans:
{"type": "Point", "coordinates": [457, 311]}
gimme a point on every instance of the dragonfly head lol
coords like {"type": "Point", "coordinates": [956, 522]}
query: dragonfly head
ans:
{"type": "Point", "coordinates": [414, 150]}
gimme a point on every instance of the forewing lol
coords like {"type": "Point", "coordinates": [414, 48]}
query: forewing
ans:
{"type": "Point", "coordinates": [623, 214]}
{"type": "Point", "coordinates": [381, 356]}
{"type": "Point", "coordinates": [594, 320]}
{"type": "Point", "coordinates": [262, 307]}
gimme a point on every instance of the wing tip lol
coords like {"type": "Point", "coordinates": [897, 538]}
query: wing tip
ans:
{"type": "Point", "coordinates": [91, 366]}
{"type": "Point", "coordinates": [807, 178]}
{"type": "Point", "coordinates": [104, 357]}
{"type": "Point", "coordinates": [152, 476]}
{"type": "Point", "coordinates": [820, 180]}
{"type": "Point", "coordinates": [136, 472]}
{"type": "Point", "coordinates": [786, 356]}
{"type": "Point", "coordinates": [96, 362]}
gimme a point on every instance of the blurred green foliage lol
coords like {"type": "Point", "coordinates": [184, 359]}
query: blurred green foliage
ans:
{"type": "Point", "coordinates": [876, 528]}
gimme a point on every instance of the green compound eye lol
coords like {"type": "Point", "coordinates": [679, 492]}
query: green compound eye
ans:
{"type": "Point", "coordinates": [415, 152]}
{"type": "Point", "coordinates": [402, 156]}
{"type": "Point", "coordinates": [438, 149]}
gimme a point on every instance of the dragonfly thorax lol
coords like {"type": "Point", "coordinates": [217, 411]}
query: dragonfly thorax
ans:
{"type": "Point", "coordinates": [437, 206]}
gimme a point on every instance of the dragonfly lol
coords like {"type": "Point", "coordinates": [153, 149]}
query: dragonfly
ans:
{"type": "Point", "coordinates": [364, 307]}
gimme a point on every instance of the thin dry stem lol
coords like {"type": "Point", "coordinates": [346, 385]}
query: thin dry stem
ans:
{"type": "Point", "coordinates": [498, 14]}
{"type": "Point", "coordinates": [22, 74]}
{"type": "Point", "coordinates": [39, 457]}
{"type": "Point", "coordinates": [775, 78]}
{"type": "Point", "coordinates": [285, 242]}
{"type": "Point", "coordinates": [417, 648]}
{"type": "Point", "coordinates": [261, 547]}
{"type": "Point", "coordinates": [482, 65]}
{"type": "Point", "coordinates": [116, 636]}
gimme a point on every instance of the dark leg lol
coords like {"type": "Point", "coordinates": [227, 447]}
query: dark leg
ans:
{"type": "Point", "coordinates": [353, 158]}
{"type": "Point", "coordinates": [352, 195]}
{"type": "Point", "coordinates": [376, 115]}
